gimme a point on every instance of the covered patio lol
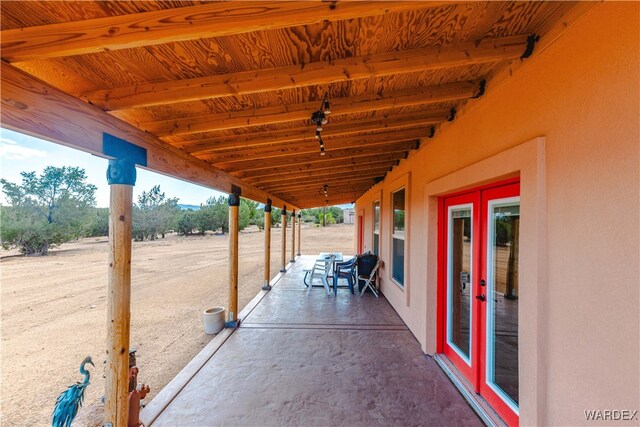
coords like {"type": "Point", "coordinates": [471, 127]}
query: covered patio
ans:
{"type": "Point", "coordinates": [301, 357]}
{"type": "Point", "coordinates": [423, 114]}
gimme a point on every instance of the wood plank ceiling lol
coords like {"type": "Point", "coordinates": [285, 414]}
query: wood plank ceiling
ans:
{"type": "Point", "coordinates": [235, 84]}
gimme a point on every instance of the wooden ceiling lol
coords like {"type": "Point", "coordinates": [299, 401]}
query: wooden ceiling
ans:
{"type": "Point", "coordinates": [235, 83]}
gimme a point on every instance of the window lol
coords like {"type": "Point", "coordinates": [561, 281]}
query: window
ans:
{"type": "Point", "coordinates": [376, 228]}
{"type": "Point", "coordinates": [398, 236]}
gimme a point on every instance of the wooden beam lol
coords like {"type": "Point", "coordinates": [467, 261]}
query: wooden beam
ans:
{"type": "Point", "coordinates": [310, 202]}
{"type": "Point", "coordinates": [116, 405]}
{"type": "Point", "coordinates": [266, 283]}
{"type": "Point", "coordinates": [293, 236]}
{"type": "Point", "coordinates": [315, 191]}
{"type": "Point", "coordinates": [298, 148]}
{"type": "Point", "coordinates": [316, 188]}
{"type": "Point", "coordinates": [347, 132]}
{"type": "Point", "coordinates": [315, 73]}
{"type": "Point", "coordinates": [287, 113]}
{"type": "Point", "coordinates": [283, 249]}
{"type": "Point", "coordinates": [299, 231]}
{"type": "Point", "coordinates": [380, 167]}
{"type": "Point", "coordinates": [234, 207]}
{"type": "Point", "coordinates": [180, 24]}
{"type": "Point", "coordinates": [330, 156]}
{"type": "Point", "coordinates": [315, 166]}
{"type": "Point", "coordinates": [38, 109]}
{"type": "Point", "coordinates": [383, 121]}
{"type": "Point", "coordinates": [327, 177]}
{"type": "Point", "coordinates": [329, 180]}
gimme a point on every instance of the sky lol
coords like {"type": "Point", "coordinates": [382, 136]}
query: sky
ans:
{"type": "Point", "coordinates": [23, 153]}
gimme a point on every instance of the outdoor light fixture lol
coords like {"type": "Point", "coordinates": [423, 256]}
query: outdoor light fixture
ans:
{"type": "Point", "coordinates": [325, 104]}
{"type": "Point", "coordinates": [319, 118]}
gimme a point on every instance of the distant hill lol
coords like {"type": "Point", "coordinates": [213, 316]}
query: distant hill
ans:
{"type": "Point", "coordinates": [187, 207]}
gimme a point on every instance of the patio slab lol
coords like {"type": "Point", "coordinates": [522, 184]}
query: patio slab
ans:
{"type": "Point", "coordinates": [303, 358]}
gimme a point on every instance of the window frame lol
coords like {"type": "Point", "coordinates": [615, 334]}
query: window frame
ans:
{"type": "Point", "coordinates": [403, 236]}
{"type": "Point", "coordinates": [378, 232]}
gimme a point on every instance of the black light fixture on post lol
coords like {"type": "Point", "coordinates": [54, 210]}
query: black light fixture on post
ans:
{"type": "Point", "coordinates": [319, 118]}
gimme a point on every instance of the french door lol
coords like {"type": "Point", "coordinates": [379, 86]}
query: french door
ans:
{"type": "Point", "coordinates": [479, 279]}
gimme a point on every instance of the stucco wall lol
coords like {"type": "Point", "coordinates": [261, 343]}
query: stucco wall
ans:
{"type": "Point", "coordinates": [582, 94]}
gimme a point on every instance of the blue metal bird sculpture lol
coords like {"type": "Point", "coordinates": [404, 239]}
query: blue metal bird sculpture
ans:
{"type": "Point", "coordinates": [71, 399]}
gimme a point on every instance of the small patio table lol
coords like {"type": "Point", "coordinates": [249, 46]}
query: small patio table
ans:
{"type": "Point", "coordinates": [323, 257]}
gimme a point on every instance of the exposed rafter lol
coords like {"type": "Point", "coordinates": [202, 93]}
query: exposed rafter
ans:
{"type": "Point", "coordinates": [293, 149]}
{"type": "Point", "coordinates": [367, 176]}
{"type": "Point", "coordinates": [180, 24]}
{"type": "Point", "coordinates": [385, 122]}
{"type": "Point", "coordinates": [316, 73]}
{"type": "Point", "coordinates": [287, 113]}
{"type": "Point", "coordinates": [310, 141]}
{"type": "Point", "coordinates": [307, 170]}
{"type": "Point", "coordinates": [295, 176]}
{"type": "Point", "coordinates": [351, 154]}
{"type": "Point", "coordinates": [36, 108]}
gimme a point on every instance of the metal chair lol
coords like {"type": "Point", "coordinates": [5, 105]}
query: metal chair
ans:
{"type": "Point", "coordinates": [367, 270]}
{"type": "Point", "coordinates": [345, 270]}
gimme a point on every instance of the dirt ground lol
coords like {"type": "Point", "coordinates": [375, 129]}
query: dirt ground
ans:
{"type": "Point", "coordinates": [54, 311]}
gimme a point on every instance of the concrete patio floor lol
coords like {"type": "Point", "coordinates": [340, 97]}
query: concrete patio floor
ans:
{"type": "Point", "coordinates": [304, 358]}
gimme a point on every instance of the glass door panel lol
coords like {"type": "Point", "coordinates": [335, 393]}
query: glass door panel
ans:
{"type": "Point", "coordinates": [459, 282]}
{"type": "Point", "coordinates": [499, 383]}
{"type": "Point", "coordinates": [461, 245]}
{"type": "Point", "coordinates": [502, 308]}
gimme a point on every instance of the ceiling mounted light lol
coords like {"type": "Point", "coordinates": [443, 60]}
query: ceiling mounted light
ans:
{"type": "Point", "coordinates": [325, 104]}
{"type": "Point", "coordinates": [319, 118]}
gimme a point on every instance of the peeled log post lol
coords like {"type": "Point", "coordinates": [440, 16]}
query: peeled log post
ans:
{"type": "Point", "coordinates": [293, 236]}
{"type": "Point", "coordinates": [283, 224]}
{"type": "Point", "coordinates": [121, 177]}
{"type": "Point", "coordinates": [267, 246]}
{"type": "Point", "coordinates": [299, 230]}
{"type": "Point", "coordinates": [234, 205]}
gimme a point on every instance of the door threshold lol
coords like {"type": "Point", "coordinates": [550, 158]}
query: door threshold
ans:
{"type": "Point", "coordinates": [477, 403]}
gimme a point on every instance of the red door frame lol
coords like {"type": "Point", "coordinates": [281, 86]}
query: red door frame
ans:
{"type": "Point", "coordinates": [360, 234]}
{"type": "Point", "coordinates": [470, 372]}
{"type": "Point", "coordinates": [496, 402]}
{"type": "Point", "coordinates": [476, 376]}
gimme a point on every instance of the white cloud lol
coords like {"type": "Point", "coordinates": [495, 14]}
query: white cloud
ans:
{"type": "Point", "coordinates": [10, 150]}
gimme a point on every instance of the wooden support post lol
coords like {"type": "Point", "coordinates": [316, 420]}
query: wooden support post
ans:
{"type": "Point", "coordinates": [121, 176]}
{"type": "Point", "coordinates": [283, 224]}
{"type": "Point", "coordinates": [299, 231]}
{"type": "Point", "coordinates": [293, 235]}
{"type": "Point", "coordinates": [324, 216]}
{"type": "Point", "coordinates": [234, 207]}
{"type": "Point", "coordinates": [267, 246]}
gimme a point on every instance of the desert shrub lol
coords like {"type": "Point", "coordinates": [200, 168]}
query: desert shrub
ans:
{"type": "Point", "coordinates": [98, 223]}
{"type": "Point", "coordinates": [187, 222]}
{"type": "Point", "coordinates": [154, 215]}
{"type": "Point", "coordinates": [46, 210]}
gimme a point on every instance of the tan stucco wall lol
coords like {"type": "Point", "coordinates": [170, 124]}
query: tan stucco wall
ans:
{"type": "Point", "coordinates": [582, 95]}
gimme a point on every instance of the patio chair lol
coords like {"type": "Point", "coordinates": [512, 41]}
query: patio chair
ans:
{"type": "Point", "coordinates": [367, 270]}
{"type": "Point", "coordinates": [321, 270]}
{"type": "Point", "coordinates": [345, 270]}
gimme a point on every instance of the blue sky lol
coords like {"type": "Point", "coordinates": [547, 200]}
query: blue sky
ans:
{"type": "Point", "coordinates": [20, 153]}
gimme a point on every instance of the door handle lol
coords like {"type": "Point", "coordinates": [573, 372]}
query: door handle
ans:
{"type": "Point", "coordinates": [481, 297]}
